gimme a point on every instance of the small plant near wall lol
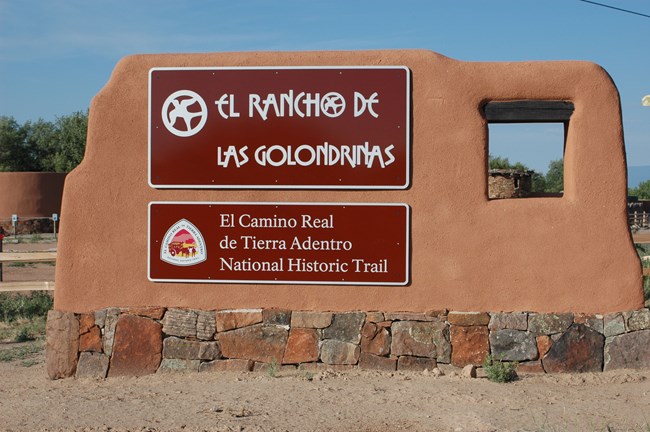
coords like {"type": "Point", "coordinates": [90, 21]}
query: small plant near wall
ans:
{"type": "Point", "coordinates": [497, 370]}
{"type": "Point", "coordinates": [273, 368]}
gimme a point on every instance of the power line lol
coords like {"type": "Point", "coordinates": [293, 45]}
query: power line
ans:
{"type": "Point", "coordinates": [615, 8]}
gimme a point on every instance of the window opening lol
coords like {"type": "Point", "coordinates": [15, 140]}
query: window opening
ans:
{"type": "Point", "coordinates": [526, 148]}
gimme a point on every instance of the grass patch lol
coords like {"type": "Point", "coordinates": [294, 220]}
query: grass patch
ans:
{"type": "Point", "coordinates": [498, 370]}
{"type": "Point", "coordinates": [23, 352]}
{"type": "Point", "coordinates": [29, 362]}
{"type": "Point", "coordinates": [31, 330]}
{"type": "Point", "coordinates": [29, 238]}
{"type": "Point", "coordinates": [23, 317]}
{"type": "Point", "coordinates": [22, 329]}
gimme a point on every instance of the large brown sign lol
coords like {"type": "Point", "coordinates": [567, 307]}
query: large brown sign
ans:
{"type": "Point", "coordinates": [310, 243]}
{"type": "Point", "coordinates": [280, 127]}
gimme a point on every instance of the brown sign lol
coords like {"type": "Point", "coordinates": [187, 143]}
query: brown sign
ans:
{"type": "Point", "coordinates": [280, 127]}
{"type": "Point", "coordinates": [309, 243]}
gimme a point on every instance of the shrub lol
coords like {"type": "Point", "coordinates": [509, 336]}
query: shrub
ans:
{"type": "Point", "coordinates": [14, 306]}
{"type": "Point", "coordinates": [498, 370]}
{"type": "Point", "coordinates": [24, 335]}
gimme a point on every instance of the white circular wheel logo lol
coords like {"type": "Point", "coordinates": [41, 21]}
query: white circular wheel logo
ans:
{"type": "Point", "coordinates": [183, 105]}
{"type": "Point", "coordinates": [333, 104]}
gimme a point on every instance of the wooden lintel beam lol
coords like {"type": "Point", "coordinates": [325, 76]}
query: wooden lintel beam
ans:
{"type": "Point", "coordinates": [529, 111]}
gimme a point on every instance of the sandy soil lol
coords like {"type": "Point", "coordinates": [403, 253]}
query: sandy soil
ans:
{"type": "Point", "coordinates": [642, 236]}
{"type": "Point", "coordinates": [330, 401]}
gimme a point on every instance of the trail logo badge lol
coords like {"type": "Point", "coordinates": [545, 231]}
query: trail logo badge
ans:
{"type": "Point", "coordinates": [183, 245]}
{"type": "Point", "coordinates": [184, 113]}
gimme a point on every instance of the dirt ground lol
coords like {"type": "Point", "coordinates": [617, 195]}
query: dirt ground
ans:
{"type": "Point", "coordinates": [642, 236]}
{"type": "Point", "coordinates": [329, 401]}
{"type": "Point", "coordinates": [324, 401]}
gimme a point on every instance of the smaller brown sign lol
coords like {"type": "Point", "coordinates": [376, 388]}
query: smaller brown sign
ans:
{"type": "Point", "coordinates": [282, 243]}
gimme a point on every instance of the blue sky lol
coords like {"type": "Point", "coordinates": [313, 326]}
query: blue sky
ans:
{"type": "Point", "coordinates": [56, 55]}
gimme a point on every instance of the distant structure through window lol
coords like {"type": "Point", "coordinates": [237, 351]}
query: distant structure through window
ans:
{"type": "Point", "coordinates": [514, 179]}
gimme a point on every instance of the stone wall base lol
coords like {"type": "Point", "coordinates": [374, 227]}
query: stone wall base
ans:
{"type": "Point", "coordinates": [140, 341]}
{"type": "Point", "coordinates": [29, 226]}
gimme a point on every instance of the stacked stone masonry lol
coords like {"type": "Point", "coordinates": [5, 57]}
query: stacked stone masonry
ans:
{"type": "Point", "coordinates": [507, 183]}
{"type": "Point", "coordinates": [28, 226]}
{"type": "Point", "coordinates": [139, 341]}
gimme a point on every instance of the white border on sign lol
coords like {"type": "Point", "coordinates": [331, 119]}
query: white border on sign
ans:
{"type": "Point", "coordinates": [407, 242]}
{"type": "Point", "coordinates": [407, 122]}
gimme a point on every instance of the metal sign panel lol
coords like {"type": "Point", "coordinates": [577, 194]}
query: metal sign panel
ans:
{"type": "Point", "coordinates": [279, 243]}
{"type": "Point", "coordinates": [280, 127]}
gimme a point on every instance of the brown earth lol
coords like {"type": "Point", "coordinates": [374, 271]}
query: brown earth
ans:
{"type": "Point", "coordinates": [329, 401]}
{"type": "Point", "coordinates": [642, 236]}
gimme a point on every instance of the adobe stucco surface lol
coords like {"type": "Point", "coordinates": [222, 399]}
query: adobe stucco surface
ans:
{"type": "Point", "coordinates": [30, 194]}
{"type": "Point", "coordinates": [468, 253]}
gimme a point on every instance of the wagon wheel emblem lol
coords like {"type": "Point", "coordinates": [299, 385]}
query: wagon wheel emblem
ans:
{"type": "Point", "coordinates": [333, 104]}
{"type": "Point", "coordinates": [185, 105]}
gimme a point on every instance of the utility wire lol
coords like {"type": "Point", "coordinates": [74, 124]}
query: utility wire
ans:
{"type": "Point", "coordinates": [615, 8]}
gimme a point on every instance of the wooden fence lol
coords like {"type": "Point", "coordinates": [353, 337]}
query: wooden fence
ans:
{"type": "Point", "coordinates": [26, 257]}
{"type": "Point", "coordinates": [638, 219]}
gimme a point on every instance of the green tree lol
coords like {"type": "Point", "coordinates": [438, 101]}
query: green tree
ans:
{"type": "Point", "coordinates": [498, 162]}
{"type": "Point", "coordinates": [642, 191]}
{"type": "Point", "coordinates": [555, 176]}
{"type": "Point", "coordinates": [43, 145]}
{"type": "Point", "coordinates": [539, 182]}
{"type": "Point", "coordinates": [41, 138]}
{"type": "Point", "coordinates": [72, 130]}
{"type": "Point", "coordinates": [15, 153]}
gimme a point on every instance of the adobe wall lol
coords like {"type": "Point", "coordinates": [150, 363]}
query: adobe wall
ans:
{"type": "Point", "coordinates": [30, 194]}
{"type": "Point", "coordinates": [468, 253]}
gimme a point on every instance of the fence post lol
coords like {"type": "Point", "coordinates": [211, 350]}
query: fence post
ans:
{"type": "Point", "coordinates": [14, 222]}
{"type": "Point", "coordinates": [55, 217]}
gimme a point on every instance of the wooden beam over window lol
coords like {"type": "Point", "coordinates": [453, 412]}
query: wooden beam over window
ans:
{"type": "Point", "coordinates": [529, 111]}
